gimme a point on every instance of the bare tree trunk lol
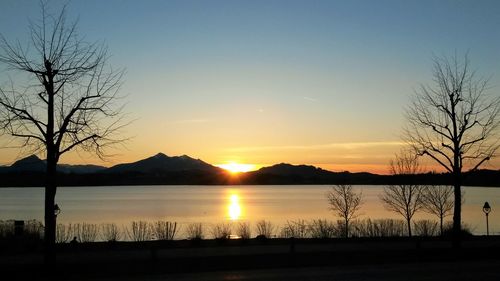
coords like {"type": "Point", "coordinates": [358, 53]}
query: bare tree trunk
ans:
{"type": "Point", "coordinates": [441, 223]}
{"type": "Point", "coordinates": [50, 218]}
{"type": "Point", "coordinates": [346, 228]}
{"type": "Point", "coordinates": [408, 222]}
{"type": "Point", "coordinates": [50, 188]}
{"type": "Point", "coordinates": [457, 211]}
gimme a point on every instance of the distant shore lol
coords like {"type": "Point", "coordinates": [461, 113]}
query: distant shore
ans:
{"type": "Point", "coordinates": [480, 178]}
{"type": "Point", "coordinates": [183, 170]}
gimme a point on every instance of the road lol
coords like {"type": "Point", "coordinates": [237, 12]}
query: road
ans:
{"type": "Point", "coordinates": [442, 271]}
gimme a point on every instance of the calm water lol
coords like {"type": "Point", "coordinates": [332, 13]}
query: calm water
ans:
{"type": "Point", "coordinates": [215, 204]}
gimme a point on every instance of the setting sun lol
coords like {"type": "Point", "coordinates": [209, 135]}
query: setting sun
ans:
{"type": "Point", "coordinates": [234, 167]}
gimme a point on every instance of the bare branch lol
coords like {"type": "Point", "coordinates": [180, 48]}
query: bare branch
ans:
{"type": "Point", "coordinates": [403, 199]}
{"type": "Point", "coordinates": [345, 202]}
{"type": "Point", "coordinates": [456, 113]}
{"type": "Point", "coordinates": [73, 79]}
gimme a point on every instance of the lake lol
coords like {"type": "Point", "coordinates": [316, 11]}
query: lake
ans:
{"type": "Point", "coordinates": [215, 204]}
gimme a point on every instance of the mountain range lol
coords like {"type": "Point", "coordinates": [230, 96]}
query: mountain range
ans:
{"type": "Point", "coordinates": [34, 164]}
{"type": "Point", "coordinates": [163, 169]}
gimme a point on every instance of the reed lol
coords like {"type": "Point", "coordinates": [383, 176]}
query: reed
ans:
{"type": "Point", "coordinates": [86, 232]}
{"type": "Point", "coordinates": [321, 228]}
{"type": "Point", "coordinates": [164, 230]}
{"type": "Point", "coordinates": [139, 231]}
{"type": "Point", "coordinates": [64, 233]}
{"type": "Point", "coordinates": [110, 232]}
{"type": "Point", "coordinates": [265, 229]}
{"type": "Point", "coordinates": [221, 230]}
{"type": "Point", "coordinates": [295, 229]}
{"type": "Point", "coordinates": [426, 228]}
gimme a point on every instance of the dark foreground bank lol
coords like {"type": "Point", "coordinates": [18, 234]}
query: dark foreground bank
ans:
{"type": "Point", "coordinates": [118, 260]}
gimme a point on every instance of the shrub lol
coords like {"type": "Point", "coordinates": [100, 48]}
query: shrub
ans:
{"type": "Point", "coordinates": [221, 231]}
{"type": "Point", "coordinates": [339, 229]}
{"type": "Point", "coordinates": [244, 231]}
{"type": "Point", "coordinates": [264, 229]}
{"type": "Point", "coordinates": [6, 229]}
{"type": "Point", "coordinates": [321, 229]}
{"type": "Point", "coordinates": [465, 230]}
{"type": "Point", "coordinates": [34, 229]}
{"type": "Point", "coordinates": [426, 228]}
{"type": "Point", "coordinates": [379, 228]}
{"type": "Point", "coordinates": [296, 229]}
{"type": "Point", "coordinates": [30, 230]}
{"type": "Point", "coordinates": [194, 231]}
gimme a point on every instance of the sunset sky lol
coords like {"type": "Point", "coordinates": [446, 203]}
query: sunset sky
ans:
{"type": "Point", "coordinates": [323, 83]}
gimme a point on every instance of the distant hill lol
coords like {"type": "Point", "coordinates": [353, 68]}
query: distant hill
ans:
{"type": "Point", "coordinates": [163, 163]}
{"type": "Point", "coordinates": [80, 169]}
{"type": "Point", "coordinates": [304, 174]}
{"type": "Point", "coordinates": [285, 169]}
{"type": "Point", "coordinates": [34, 164]}
{"type": "Point", "coordinates": [31, 163]}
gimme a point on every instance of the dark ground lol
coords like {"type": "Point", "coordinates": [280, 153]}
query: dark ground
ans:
{"type": "Point", "coordinates": [274, 259]}
{"type": "Point", "coordinates": [456, 271]}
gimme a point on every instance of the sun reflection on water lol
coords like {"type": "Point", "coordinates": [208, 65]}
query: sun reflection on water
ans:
{"type": "Point", "coordinates": [234, 207]}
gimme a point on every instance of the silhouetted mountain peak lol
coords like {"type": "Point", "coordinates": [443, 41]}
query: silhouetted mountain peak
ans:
{"type": "Point", "coordinates": [163, 163]}
{"type": "Point", "coordinates": [28, 160]}
{"type": "Point", "coordinates": [160, 155]}
{"type": "Point", "coordinates": [30, 163]}
{"type": "Point", "coordinates": [33, 163]}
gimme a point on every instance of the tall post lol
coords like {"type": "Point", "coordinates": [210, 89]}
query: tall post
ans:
{"type": "Point", "coordinates": [487, 226]}
{"type": "Point", "coordinates": [487, 210]}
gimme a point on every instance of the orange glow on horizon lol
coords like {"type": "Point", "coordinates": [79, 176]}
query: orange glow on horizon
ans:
{"type": "Point", "coordinates": [371, 164]}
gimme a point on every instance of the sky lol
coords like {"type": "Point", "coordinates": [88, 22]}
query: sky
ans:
{"type": "Point", "coordinates": [323, 83]}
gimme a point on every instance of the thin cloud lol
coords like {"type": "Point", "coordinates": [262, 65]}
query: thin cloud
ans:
{"type": "Point", "coordinates": [191, 121]}
{"type": "Point", "coordinates": [310, 99]}
{"type": "Point", "coordinates": [346, 145]}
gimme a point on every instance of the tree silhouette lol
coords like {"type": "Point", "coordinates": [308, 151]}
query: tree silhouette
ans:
{"type": "Point", "coordinates": [345, 202]}
{"type": "Point", "coordinates": [438, 200]}
{"type": "Point", "coordinates": [65, 98]}
{"type": "Point", "coordinates": [455, 123]}
{"type": "Point", "coordinates": [404, 199]}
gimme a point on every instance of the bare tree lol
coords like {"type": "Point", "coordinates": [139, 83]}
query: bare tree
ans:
{"type": "Point", "coordinates": [455, 123]}
{"type": "Point", "coordinates": [438, 200]}
{"type": "Point", "coordinates": [345, 202]}
{"type": "Point", "coordinates": [64, 100]}
{"type": "Point", "coordinates": [405, 198]}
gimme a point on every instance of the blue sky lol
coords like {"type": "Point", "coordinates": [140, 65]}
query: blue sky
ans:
{"type": "Point", "coordinates": [260, 82]}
